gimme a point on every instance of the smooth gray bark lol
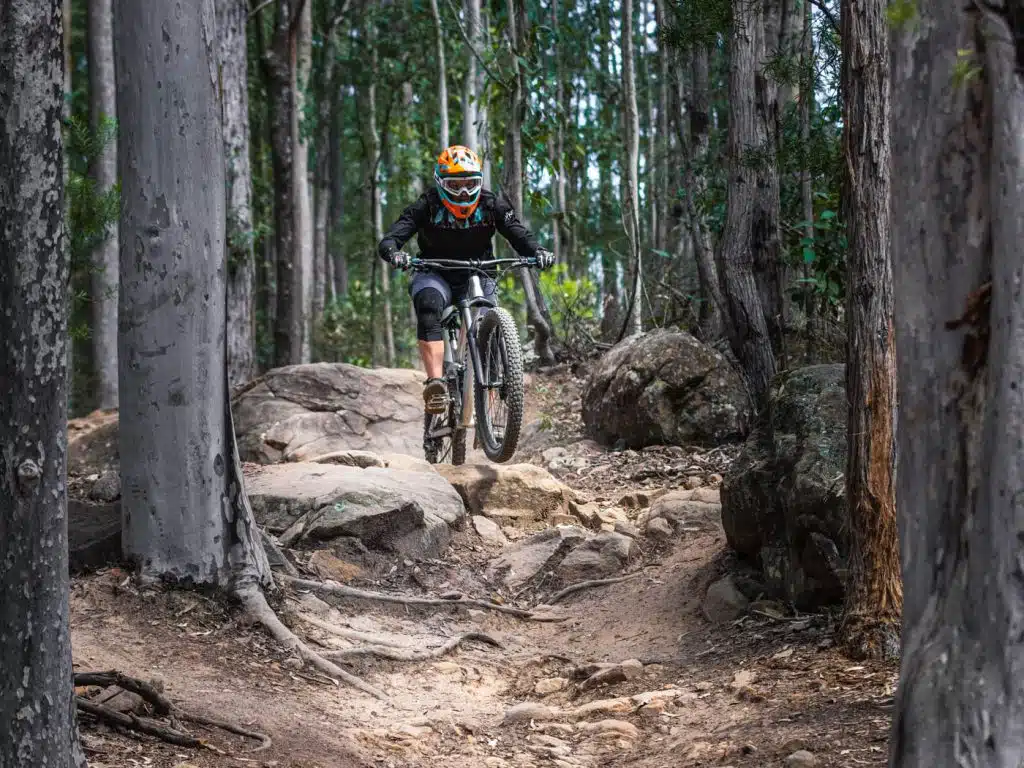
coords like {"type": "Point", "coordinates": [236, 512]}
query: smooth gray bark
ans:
{"type": "Point", "coordinates": [231, 20]}
{"type": "Point", "coordinates": [442, 75]}
{"type": "Point", "coordinates": [957, 196]}
{"type": "Point", "coordinates": [471, 85]}
{"type": "Point", "coordinates": [631, 196]}
{"type": "Point", "coordinates": [102, 111]}
{"type": "Point", "coordinates": [184, 514]}
{"type": "Point", "coordinates": [303, 285]}
{"type": "Point", "coordinates": [37, 719]}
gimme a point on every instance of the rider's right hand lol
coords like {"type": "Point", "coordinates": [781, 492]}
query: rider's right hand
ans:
{"type": "Point", "coordinates": [399, 260]}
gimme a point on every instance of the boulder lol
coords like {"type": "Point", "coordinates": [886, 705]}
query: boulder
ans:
{"type": "Point", "coordinates": [386, 509]}
{"type": "Point", "coordinates": [298, 413]}
{"type": "Point", "coordinates": [783, 503]}
{"type": "Point", "coordinates": [529, 557]}
{"type": "Point", "coordinates": [724, 602]}
{"type": "Point", "coordinates": [517, 493]}
{"type": "Point", "coordinates": [94, 534]}
{"type": "Point", "coordinates": [685, 510]}
{"type": "Point", "coordinates": [665, 388]}
{"type": "Point", "coordinates": [302, 411]}
{"type": "Point", "coordinates": [489, 531]}
{"type": "Point", "coordinates": [602, 556]}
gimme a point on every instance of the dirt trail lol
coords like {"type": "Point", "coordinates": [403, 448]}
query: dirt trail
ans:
{"type": "Point", "coordinates": [750, 693]}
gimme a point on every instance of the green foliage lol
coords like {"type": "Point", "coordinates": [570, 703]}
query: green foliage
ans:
{"type": "Point", "coordinates": [901, 13]}
{"type": "Point", "coordinates": [573, 306]}
{"type": "Point", "coordinates": [966, 67]}
{"type": "Point", "coordinates": [90, 210]}
{"type": "Point", "coordinates": [697, 22]}
{"type": "Point", "coordinates": [822, 261]}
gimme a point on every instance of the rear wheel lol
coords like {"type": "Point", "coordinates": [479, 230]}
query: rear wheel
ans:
{"type": "Point", "coordinates": [499, 397]}
{"type": "Point", "coordinates": [450, 448]}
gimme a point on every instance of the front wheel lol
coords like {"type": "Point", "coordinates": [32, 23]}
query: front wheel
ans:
{"type": "Point", "coordinates": [499, 397]}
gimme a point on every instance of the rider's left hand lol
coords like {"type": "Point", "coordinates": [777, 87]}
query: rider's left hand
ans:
{"type": "Point", "coordinates": [545, 259]}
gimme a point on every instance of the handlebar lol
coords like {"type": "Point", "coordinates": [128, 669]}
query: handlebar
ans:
{"type": "Point", "coordinates": [425, 264]}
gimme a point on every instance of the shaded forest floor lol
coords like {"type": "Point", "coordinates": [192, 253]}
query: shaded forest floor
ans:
{"type": "Point", "coordinates": [748, 693]}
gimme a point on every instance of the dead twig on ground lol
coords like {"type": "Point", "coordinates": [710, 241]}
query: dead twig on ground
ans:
{"type": "Point", "coordinates": [590, 584]}
{"type": "Point", "coordinates": [333, 588]}
{"type": "Point", "coordinates": [192, 717]}
{"type": "Point", "coordinates": [161, 705]}
{"type": "Point", "coordinates": [136, 723]}
{"type": "Point", "coordinates": [412, 654]}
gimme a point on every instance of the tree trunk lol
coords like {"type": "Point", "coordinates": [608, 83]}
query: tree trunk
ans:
{"type": "Point", "coordinates": [631, 199]}
{"type": "Point", "coordinates": [664, 189]}
{"type": "Point", "coordinates": [874, 595]}
{"type": "Point", "coordinates": [712, 303]}
{"type": "Point", "coordinates": [103, 112]}
{"type": "Point", "coordinates": [560, 239]}
{"type": "Point", "coordinates": [373, 190]}
{"type": "Point", "coordinates": [281, 62]}
{"type": "Point", "coordinates": [806, 189]}
{"type": "Point", "coordinates": [37, 711]}
{"type": "Point", "coordinates": [513, 176]}
{"type": "Point", "coordinates": [177, 447]}
{"type": "Point", "coordinates": [234, 77]}
{"type": "Point", "coordinates": [327, 104]}
{"type": "Point", "coordinates": [442, 74]}
{"type": "Point", "coordinates": [958, 179]}
{"type": "Point", "coordinates": [303, 198]}
{"type": "Point", "coordinates": [337, 215]}
{"type": "Point", "coordinates": [750, 239]}
{"type": "Point", "coordinates": [471, 84]}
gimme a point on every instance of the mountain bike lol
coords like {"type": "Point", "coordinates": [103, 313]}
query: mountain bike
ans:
{"type": "Point", "coordinates": [483, 368]}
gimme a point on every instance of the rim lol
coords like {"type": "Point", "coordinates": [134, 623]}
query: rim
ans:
{"type": "Point", "coordinates": [494, 372]}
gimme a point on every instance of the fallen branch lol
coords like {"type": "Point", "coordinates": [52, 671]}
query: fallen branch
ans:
{"type": "Point", "coordinates": [573, 588]}
{"type": "Point", "coordinates": [412, 654]}
{"type": "Point", "coordinates": [136, 723]}
{"type": "Point", "coordinates": [252, 597]}
{"type": "Point", "coordinates": [161, 706]}
{"type": "Point", "coordinates": [334, 588]}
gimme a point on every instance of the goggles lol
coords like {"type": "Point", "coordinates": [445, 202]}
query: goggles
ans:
{"type": "Point", "coordinates": [464, 187]}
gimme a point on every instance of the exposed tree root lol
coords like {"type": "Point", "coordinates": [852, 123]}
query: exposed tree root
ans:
{"type": "Point", "coordinates": [412, 654]}
{"type": "Point", "coordinates": [161, 706]}
{"type": "Point", "coordinates": [349, 634]}
{"type": "Point", "coordinates": [259, 611]}
{"type": "Point", "coordinates": [341, 590]}
{"type": "Point", "coordinates": [573, 588]}
{"type": "Point", "coordinates": [192, 717]}
{"type": "Point", "coordinates": [866, 637]}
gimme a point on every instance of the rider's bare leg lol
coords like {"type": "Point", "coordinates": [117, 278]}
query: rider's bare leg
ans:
{"type": "Point", "coordinates": [432, 355]}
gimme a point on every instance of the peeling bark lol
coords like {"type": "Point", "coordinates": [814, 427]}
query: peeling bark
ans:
{"type": "Point", "coordinates": [874, 595]}
{"type": "Point", "coordinates": [958, 192]}
{"type": "Point", "coordinates": [231, 19]}
{"type": "Point", "coordinates": [37, 720]}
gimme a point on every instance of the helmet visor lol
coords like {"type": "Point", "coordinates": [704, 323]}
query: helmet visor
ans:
{"type": "Point", "coordinates": [462, 187]}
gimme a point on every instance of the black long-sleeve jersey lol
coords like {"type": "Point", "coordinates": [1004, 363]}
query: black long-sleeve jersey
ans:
{"type": "Point", "coordinates": [442, 236]}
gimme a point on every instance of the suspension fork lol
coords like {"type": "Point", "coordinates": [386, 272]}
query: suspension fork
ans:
{"type": "Point", "coordinates": [472, 367]}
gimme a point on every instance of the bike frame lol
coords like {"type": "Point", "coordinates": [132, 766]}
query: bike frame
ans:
{"type": "Point", "coordinates": [469, 307]}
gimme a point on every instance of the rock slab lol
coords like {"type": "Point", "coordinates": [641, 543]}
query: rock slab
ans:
{"type": "Point", "coordinates": [516, 493]}
{"type": "Point", "coordinates": [386, 509]}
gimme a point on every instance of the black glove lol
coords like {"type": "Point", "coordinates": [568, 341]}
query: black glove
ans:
{"type": "Point", "coordinates": [545, 259]}
{"type": "Point", "coordinates": [399, 259]}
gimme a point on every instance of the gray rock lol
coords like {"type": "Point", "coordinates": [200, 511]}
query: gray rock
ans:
{"type": "Point", "coordinates": [386, 509]}
{"type": "Point", "coordinates": [724, 602]}
{"type": "Point", "coordinates": [107, 487]}
{"type": "Point", "coordinates": [94, 534]}
{"type": "Point", "coordinates": [627, 529]}
{"type": "Point", "coordinates": [529, 557]}
{"type": "Point", "coordinates": [299, 412]}
{"type": "Point", "coordinates": [802, 759]}
{"type": "Point", "coordinates": [659, 528]}
{"type": "Point", "coordinates": [664, 388]}
{"type": "Point", "coordinates": [489, 530]}
{"type": "Point", "coordinates": [682, 510]}
{"type": "Point", "coordinates": [783, 505]}
{"type": "Point", "coordinates": [602, 556]}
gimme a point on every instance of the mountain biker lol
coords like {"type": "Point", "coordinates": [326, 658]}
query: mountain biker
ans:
{"type": "Point", "coordinates": [454, 220]}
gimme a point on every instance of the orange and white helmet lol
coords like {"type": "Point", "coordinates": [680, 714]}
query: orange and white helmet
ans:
{"type": "Point", "coordinates": [459, 178]}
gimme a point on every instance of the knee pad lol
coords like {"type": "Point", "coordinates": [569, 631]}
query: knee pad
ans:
{"type": "Point", "coordinates": [429, 305]}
